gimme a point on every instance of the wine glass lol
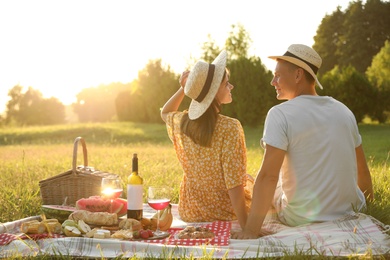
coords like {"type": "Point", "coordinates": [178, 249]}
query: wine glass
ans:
{"type": "Point", "coordinates": [111, 188]}
{"type": "Point", "coordinates": [159, 198]}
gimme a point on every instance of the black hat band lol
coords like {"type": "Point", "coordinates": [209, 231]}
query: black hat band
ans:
{"type": "Point", "coordinates": [312, 66]}
{"type": "Point", "coordinates": [207, 84]}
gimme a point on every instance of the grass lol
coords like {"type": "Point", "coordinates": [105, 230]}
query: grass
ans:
{"type": "Point", "coordinates": [30, 154]}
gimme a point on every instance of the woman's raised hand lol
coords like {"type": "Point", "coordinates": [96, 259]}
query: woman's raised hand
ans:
{"type": "Point", "coordinates": [183, 78]}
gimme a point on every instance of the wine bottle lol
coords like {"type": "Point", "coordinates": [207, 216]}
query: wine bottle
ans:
{"type": "Point", "coordinates": [135, 192]}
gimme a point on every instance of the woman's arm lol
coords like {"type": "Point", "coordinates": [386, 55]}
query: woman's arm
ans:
{"type": "Point", "coordinates": [174, 102]}
{"type": "Point", "coordinates": [263, 193]}
{"type": "Point", "coordinates": [237, 197]}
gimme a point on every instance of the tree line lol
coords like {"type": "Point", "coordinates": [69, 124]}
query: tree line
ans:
{"type": "Point", "coordinates": [354, 45]}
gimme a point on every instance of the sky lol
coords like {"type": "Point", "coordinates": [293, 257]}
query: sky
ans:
{"type": "Point", "coordinates": [60, 47]}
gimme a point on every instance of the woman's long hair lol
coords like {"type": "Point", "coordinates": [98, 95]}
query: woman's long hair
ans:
{"type": "Point", "coordinates": [201, 129]}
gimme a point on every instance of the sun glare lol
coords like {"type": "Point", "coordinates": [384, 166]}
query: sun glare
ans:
{"type": "Point", "coordinates": [62, 47]}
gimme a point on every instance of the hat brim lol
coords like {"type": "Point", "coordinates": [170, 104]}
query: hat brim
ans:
{"type": "Point", "coordinates": [196, 108]}
{"type": "Point", "coordinates": [299, 63]}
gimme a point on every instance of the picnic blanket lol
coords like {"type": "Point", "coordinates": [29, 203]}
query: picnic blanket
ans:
{"type": "Point", "coordinates": [352, 235]}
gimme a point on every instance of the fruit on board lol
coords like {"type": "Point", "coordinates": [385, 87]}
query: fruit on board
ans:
{"type": "Point", "coordinates": [99, 204]}
{"type": "Point", "coordinates": [69, 222]}
{"type": "Point", "coordinates": [72, 228]}
{"type": "Point", "coordinates": [166, 219]}
{"type": "Point", "coordinates": [71, 231]}
{"type": "Point", "coordinates": [59, 212]}
{"type": "Point", "coordinates": [123, 211]}
{"type": "Point", "coordinates": [146, 223]}
{"type": "Point", "coordinates": [136, 234]}
{"type": "Point", "coordinates": [83, 227]}
{"type": "Point", "coordinates": [144, 234]}
{"type": "Point", "coordinates": [94, 204]}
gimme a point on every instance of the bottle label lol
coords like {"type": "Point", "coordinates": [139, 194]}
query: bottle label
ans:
{"type": "Point", "coordinates": [135, 197]}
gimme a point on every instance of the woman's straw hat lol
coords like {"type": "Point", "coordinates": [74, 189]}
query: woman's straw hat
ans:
{"type": "Point", "coordinates": [203, 83]}
{"type": "Point", "coordinates": [304, 57]}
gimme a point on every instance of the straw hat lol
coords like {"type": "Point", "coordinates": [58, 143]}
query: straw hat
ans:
{"type": "Point", "coordinates": [304, 57]}
{"type": "Point", "coordinates": [203, 83]}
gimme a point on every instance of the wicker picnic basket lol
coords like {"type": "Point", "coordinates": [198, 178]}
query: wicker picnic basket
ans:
{"type": "Point", "coordinates": [79, 182]}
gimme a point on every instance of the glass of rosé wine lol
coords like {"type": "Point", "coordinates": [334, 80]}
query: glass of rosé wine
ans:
{"type": "Point", "coordinates": [111, 188]}
{"type": "Point", "coordinates": [159, 198]}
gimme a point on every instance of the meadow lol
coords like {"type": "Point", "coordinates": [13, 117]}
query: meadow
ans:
{"type": "Point", "coordinates": [30, 154]}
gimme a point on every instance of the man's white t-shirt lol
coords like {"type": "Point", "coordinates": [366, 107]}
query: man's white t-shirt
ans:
{"type": "Point", "coordinates": [318, 177]}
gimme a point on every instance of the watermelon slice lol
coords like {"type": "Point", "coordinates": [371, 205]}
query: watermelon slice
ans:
{"type": "Point", "coordinates": [99, 204]}
{"type": "Point", "coordinates": [123, 211]}
{"type": "Point", "coordinates": [94, 204]}
{"type": "Point", "coordinates": [59, 212]}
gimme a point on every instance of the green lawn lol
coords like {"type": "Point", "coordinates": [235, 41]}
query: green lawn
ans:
{"type": "Point", "coordinates": [30, 154]}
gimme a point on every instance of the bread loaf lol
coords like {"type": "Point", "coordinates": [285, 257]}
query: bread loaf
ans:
{"type": "Point", "coordinates": [95, 218]}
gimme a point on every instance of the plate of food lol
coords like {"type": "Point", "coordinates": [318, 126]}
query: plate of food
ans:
{"type": "Point", "coordinates": [215, 233]}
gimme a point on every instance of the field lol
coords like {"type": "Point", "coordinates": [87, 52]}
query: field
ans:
{"type": "Point", "coordinates": [28, 155]}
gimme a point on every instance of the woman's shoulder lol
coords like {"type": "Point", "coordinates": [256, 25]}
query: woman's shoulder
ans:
{"type": "Point", "coordinates": [229, 122]}
{"type": "Point", "coordinates": [175, 116]}
{"type": "Point", "coordinates": [228, 118]}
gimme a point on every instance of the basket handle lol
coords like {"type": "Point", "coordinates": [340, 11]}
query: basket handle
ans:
{"type": "Point", "coordinates": [76, 144]}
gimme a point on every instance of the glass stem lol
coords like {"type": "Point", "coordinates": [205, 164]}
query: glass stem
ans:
{"type": "Point", "coordinates": [158, 221]}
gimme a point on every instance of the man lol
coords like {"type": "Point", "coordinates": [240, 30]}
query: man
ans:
{"type": "Point", "coordinates": [314, 168]}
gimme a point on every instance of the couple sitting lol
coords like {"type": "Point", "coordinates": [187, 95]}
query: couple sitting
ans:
{"type": "Point", "coordinates": [314, 168]}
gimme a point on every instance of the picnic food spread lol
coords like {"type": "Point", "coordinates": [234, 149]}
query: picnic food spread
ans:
{"type": "Point", "coordinates": [101, 216]}
{"type": "Point", "coordinates": [93, 218]}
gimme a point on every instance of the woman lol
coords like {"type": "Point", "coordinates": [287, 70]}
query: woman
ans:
{"type": "Point", "coordinates": [210, 147]}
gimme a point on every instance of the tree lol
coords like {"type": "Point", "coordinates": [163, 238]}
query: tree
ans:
{"type": "Point", "coordinates": [378, 75]}
{"type": "Point", "coordinates": [97, 104]}
{"type": "Point", "coordinates": [355, 36]}
{"type": "Point", "coordinates": [30, 108]}
{"type": "Point", "coordinates": [351, 88]}
{"type": "Point", "coordinates": [129, 105]}
{"type": "Point", "coordinates": [327, 40]}
{"type": "Point", "coordinates": [210, 50]}
{"type": "Point", "coordinates": [155, 85]}
{"type": "Point", "coordinates": [143, 100]}
{"type": "Point", "coordinates": [238, 42]}
{"type": "Point", "coordinates": [253, 94]}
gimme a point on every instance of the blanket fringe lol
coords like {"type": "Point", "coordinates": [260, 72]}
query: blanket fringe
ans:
{"type": "Point", "coordinates": [384, 228]}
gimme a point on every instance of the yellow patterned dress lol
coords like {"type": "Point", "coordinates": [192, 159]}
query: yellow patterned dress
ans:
{"type": "Point", "coordinates": [209, 172]}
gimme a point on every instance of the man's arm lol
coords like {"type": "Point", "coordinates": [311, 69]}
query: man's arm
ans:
{"type": "Point", "coordinates": [364, 176]}
{"type": "Point", "coordinates": [263, 192]}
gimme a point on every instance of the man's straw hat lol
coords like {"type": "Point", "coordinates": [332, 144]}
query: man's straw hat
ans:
{"type": "Point", "coordinates": [304, 57]}
{"type": "Point", "coordinates": [203, 83]}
